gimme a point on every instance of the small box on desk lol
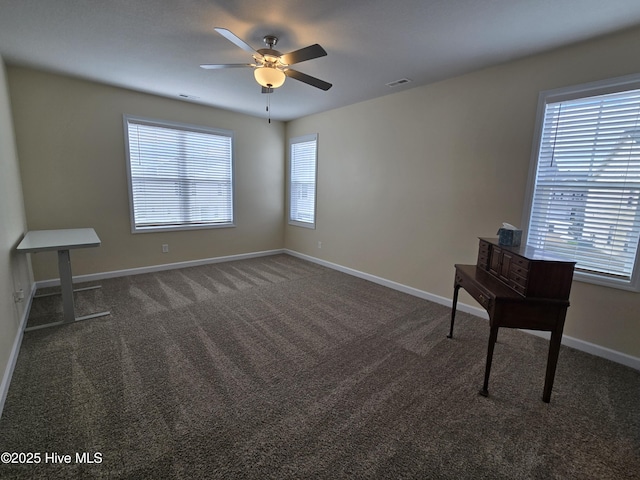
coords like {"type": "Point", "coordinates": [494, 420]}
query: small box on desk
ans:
{"type": "Point", "coordinates": [509, 238]}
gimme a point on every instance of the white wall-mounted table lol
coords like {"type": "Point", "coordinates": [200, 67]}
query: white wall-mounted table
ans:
{"type": "Point", "coordinates": [62, 240]}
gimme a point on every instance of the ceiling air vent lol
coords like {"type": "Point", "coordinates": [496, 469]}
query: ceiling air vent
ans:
{"type": "Point", "coordinates": [402, 81]}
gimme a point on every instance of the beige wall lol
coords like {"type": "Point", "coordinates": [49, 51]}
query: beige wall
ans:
{"type": "Point", "coordinates": [407, 182]}
{"type": "Point", "coordinates": [71, 145]}
{"type": "Point", "coordinates": [15, 272]}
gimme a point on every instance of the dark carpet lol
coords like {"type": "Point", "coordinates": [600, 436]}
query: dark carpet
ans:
{"type": "Point", "coordinates": [277, 368]}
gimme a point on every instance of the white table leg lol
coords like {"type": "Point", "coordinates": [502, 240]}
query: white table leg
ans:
{"type": "Point", "coordinates": [64, 268]}
{"type": "Point", "coordinates": [66, 284]}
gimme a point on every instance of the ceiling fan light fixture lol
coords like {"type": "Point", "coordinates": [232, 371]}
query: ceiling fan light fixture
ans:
{"type": "Point", "coordinates": [269, 77]}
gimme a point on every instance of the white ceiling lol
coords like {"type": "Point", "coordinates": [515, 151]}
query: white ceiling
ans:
{"type": "Point", "coordinates": [156, 46]}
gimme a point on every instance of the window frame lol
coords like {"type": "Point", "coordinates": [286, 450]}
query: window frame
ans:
{"type": "Point", "coordinates": [175, 126]}
{"type": "Point", "coordinates": [603, 87]}
{"type": "Point", "coordinates": [292, 141]}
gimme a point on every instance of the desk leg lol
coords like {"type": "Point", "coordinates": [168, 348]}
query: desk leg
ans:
{"type": "Point", "coordinates": [552, 362]}
{"type": "Point", "coordinates": [456, 288]}
{"type": "Point", "coordinates": [493, 336]}
{"type": "Point", "coordinates": [64, 268]}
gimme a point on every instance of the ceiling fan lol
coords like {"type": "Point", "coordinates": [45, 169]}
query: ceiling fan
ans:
{"type": "Point", "coordinates": [272, 67]}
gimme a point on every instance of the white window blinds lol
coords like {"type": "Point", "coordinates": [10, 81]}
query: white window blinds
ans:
{"type": "Point", "coordinates": [180, 176]}
{"type": "Point", "coordinates": [585, 203]}
{"type": "Point", "coordinates": [302, 177]}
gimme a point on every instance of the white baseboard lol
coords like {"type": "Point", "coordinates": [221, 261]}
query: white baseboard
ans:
{"type": "Point", "coordinates": [92, 277]}
{"type": "Point", "coordinates": [13, 357]}
{"type": "Point", "coordinates": [593, 349]}
{"type": "Point", "coordinates": [394, 285]}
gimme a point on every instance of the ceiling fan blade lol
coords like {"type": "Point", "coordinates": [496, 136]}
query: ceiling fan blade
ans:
{"type": "Point", "coordinates": [304, 54]}
{"type": "Point", "coordinates": [308, 79]}
{"type": "Point", "coordinates": [235, 40]}
{"type": "Point", "coordinates": [227, 65]}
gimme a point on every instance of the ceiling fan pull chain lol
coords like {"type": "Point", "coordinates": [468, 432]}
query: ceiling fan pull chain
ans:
{"type": "Point", "coordinates": [268, 104]}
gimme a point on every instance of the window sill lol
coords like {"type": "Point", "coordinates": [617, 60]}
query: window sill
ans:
{"type": "Point", "coordinates": [311, 226]}
{"type": "Point", "coordinates": [593, 279]}
{"type": "Point", "coordinates": [180, 227]}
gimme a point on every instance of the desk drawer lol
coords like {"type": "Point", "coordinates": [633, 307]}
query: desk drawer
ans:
{"type": "Point", "coordinates": [483, 297]}
{"type": "Point", "coordinates": [483, 260]}
{"type": "Point", "coordinates": [519, 262]}
{"type": "Point", "coordinates": [483, 255]}
{"type": "Point", "coordinates": [521, 289]}
{"type": "Point", "coordinates": [518, 279]}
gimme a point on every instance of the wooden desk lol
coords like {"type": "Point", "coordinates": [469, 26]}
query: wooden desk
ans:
{"type": "Point", "coordinates": [519, 287]}
{"type": "Point", "coordinates": [62, 240]}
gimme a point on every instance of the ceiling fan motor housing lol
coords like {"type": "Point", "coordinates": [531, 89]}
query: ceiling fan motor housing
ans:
{"type": "Point", "coordinates": [270, 41]}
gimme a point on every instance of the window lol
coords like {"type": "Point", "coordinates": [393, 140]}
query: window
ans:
{"type": "Point", "coordinates": [585, 180]}
{"type": "Point", "coordinates": [303, 157]}
{"type": "Point", "coordinates": [180, 176]}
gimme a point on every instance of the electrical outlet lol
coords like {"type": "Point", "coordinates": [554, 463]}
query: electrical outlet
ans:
{"type": "Point", "coordinates": [18, 296]}
{"type": "Point", "coordinates": [319, 244]}
{"type": "Point", "coordinates": [165, 248]}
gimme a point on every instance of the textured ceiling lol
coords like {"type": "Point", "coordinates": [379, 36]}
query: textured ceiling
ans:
{"type": "Point", "coordinates": [156, 46]}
